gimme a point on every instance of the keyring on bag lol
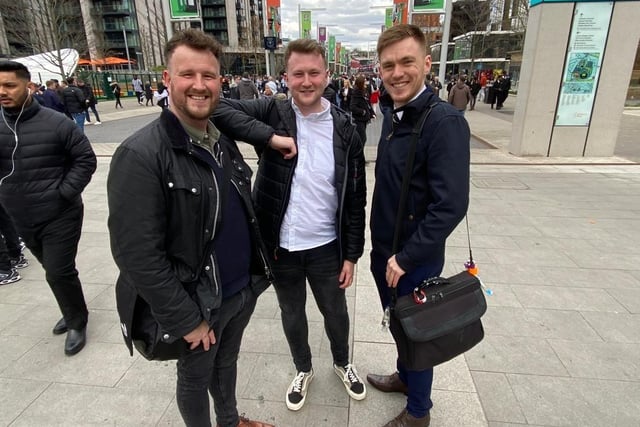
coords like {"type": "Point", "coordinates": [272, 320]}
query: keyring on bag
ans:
{"type": "Point", "coordinates": [419, 296]}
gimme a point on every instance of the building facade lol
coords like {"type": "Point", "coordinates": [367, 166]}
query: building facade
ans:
{"type": "Point", "coordinates": [132, 29]}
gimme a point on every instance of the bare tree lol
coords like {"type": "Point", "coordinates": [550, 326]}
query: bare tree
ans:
{"type": "Point", "coordinates": [45, 27]}
{"type": "Point", "coordinates": [469, 18]}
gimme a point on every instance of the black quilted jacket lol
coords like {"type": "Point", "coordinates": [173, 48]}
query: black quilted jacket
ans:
{"type": "Point", "coordinates": [53, 163]}
{"type": "Point", "coordinates": [274, 176]}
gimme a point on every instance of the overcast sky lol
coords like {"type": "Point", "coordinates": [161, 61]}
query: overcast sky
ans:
{"type": "Point", "coordinates": [353, 22]}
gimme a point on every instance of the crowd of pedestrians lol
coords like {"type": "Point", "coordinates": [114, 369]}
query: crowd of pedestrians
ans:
{"type": "Point", "coordinates": [483, 86]}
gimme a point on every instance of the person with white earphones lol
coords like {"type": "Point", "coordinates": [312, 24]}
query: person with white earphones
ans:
{"type": "Point", "coordinates": [46, 161]}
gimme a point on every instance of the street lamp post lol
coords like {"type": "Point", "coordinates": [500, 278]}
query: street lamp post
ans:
{"type": "Point", "coordinates": [126, 47]}
{"type": "Point", "coordinates": [306, 9]}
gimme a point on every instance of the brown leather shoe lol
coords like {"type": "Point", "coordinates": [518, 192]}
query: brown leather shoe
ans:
{"type": "Point", "coordinates": [405, 419]}
{"type": "Point", "coordinates": [246, 422]}
{"type": "Point", "coordinates": [387, 383]}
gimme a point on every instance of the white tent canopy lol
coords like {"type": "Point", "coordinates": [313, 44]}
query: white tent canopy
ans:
{"type": "Point", "coordinates": [42, 66]}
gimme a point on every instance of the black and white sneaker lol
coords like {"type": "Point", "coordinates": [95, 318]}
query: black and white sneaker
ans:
{"type": "Point", "coordinates": [352, 382]}
{"type": "Point", "coordinates": [297, 391]}
{"type": "Point", "coordinates": [10, 276]}
{"type": "Point", "coordinates": [20, 262]}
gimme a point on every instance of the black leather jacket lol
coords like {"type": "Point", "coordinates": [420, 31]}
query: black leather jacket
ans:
{"type": "Point", "coordinates": [159, 241]}
{"type": "Point", "coordinates": [274, 176]}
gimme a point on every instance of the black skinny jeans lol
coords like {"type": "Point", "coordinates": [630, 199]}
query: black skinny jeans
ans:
{"type": "Point", "coordinates": [55, 245]}
{"type": "Point", "coordinates": [321, 267]}
{"type": "Point", "coordinates": [215, 370]}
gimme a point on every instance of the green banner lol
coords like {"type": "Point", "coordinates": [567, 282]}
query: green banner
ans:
{"type": "Point", "coordinates": [184, 9]}
{"type": "Point", "coordinates": [305, 24]}
{"type": "Point", "coordinates": [428, 6]}
{"type": "Point", "coordinates": [388, 17]}
{"type": "Point", "coordinates": [332, 48]}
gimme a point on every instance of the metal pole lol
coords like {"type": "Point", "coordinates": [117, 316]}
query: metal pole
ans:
{"type": "Point", "coordinates": [299, 23]}
{"type": "Point", "coordinates": [444, 47]}
{"type": "Point", "coordinates": [126, 47]}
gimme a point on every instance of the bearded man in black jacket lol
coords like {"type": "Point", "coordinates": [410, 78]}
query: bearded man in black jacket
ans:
{"type": "Point", "coordinates": [45, 163]}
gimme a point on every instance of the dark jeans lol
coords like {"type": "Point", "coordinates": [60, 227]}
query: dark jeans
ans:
{"type": "Point", "coordinates": [95, 113]}
{"type": "Point", "coordinates": [321, 267]}
{"type": "Point", "coordinates": [9, 241]}
{"type": "Point", "coordinates": [215, 370]}
{"type": "Point", "coordinates": [55, 245]}
{"type": "Point", "coordinates": [79, 119]}
{"type": "Point", "coordinates": [418, 382]}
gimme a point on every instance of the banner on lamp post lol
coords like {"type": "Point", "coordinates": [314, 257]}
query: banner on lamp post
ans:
{"type": "Point", "coordinates": [322, 34]}
{"type": "Point", "coordinates": [338, 57]}
{"type": "Point", "coordinates": [332, 48]}
{"type": "Point", "coordinates": [388, 17]}
{"type": "Point", "coordinates": [273, 19]}
{"type": "Point", "coordinates": [400, 11]}
{"type": "Point", "coordinates": [305, 23]}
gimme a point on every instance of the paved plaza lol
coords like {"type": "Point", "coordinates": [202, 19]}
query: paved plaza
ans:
{"type": "Point", "coordinates": [555, 239]}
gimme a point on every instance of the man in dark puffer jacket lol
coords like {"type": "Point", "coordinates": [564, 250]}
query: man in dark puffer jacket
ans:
{"type": "Point", "coordinates": [311, 211]}
{"type": "Point", "coordinates": [75, 102]}
{"type": "Point", "coordinates": [45, 163]}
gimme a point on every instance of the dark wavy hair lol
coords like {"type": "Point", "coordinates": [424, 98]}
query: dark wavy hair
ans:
{"type": "Point", "coordinates": [22, 72]}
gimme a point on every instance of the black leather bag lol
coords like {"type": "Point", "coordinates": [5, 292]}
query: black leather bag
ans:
{"type": "Point", "coordinates": [440, 319]}
{"type": "Point", "coordinates": [443, 315]}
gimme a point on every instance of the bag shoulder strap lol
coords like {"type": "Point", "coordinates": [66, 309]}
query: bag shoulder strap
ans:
{"type": "Point", "coordinates": [406, 177]}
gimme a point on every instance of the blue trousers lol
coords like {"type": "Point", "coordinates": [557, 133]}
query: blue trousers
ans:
{"type": "Point", "coordinates": [79, 119]}
{"type": "Point", "coordinates": [419, 383]}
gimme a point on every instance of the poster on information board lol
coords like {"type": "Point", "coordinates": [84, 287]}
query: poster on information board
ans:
{"type": "Point", "coordinates": [583, 60]}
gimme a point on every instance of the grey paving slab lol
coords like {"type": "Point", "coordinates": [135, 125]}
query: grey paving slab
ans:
{"type": "Point", "coordinates": [615, 327]}
{"type": "Point", "coordinates": [107, 407]}
{"type": "Point", "coordinates": [556, 401]}
{"type": "Point", "coordinates": [99, 364]}
{"type": "Point", "coordinates": [591, 278]}
{"type": "Point", "coordinates": [629, 298]}
{"type": "Point", "coordinates": [497, 398]}
{"type": "Point", "coordinates": [538, 323]}
{"type": "Point", "coordinates": [22, 394]}
{"type": "Point", "coordinates": [13, 347]}
{"type": "Point", "coordinates": [612, 361]}
{"type": "Point", "coordinates": [523, 355]}
{"type": "Point", "coordinates": [557, 297]}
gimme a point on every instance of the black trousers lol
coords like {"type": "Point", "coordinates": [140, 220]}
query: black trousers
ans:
{"type": "Point", "coordinates": [215, 370]}
{"type": "Point", "coordinates": [55, 245]}
{"type": "Point", "coordinates": [9, 241]}
{"type": "Point", "coordinates": [320, 267]}
{"type": "Point", "coordinates": [361, 128]}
